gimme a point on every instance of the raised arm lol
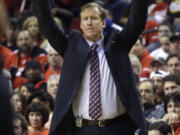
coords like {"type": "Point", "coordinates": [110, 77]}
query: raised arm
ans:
{"type": "Point", "coordinates": [48, 26]}
{"type": "Point", "coordinates": [136, 23]}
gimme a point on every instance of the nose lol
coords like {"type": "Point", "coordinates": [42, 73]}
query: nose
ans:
{"type": "Point", "coordinates": [143, 94]}
{"type": "Point", "coordinates": [173, 109]}
{"type": "Point", "coordinates": [89, 21]}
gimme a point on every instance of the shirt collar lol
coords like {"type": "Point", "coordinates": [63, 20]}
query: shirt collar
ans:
{"type": "Point", "coordinates": [99, 42]}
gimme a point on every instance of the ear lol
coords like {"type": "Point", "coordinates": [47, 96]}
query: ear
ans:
{"type": "Point", "coordinates": [80, 24]}
{"type": "Point", "coordinates": [104, 23]}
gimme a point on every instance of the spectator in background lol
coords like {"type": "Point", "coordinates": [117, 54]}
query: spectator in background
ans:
{"type": "Point", "coordinates": [37, 115]}
{"type": "Point", "coordinates": [158, 64]}
{"type": "Point", "coordinates": [147, 92]}
{"type": "Point", "coordinates": [18, 101]}
{"type": "Point", "coordinates": [157, 79]}
{"type": "Point", "coordinates": [159, 128]}
{"type": "Point", "coordinates": [46, 99]}
{"type": "Point", "coordinates": [159, 12]}
{"type": "Point", "coordinates": [165, 28]}
{"type": "Point", "coordinates": [26, 52]}
{"type": "Point", "coordinates": [10, 35]}
{"type": "Point", "coordinates": [31, 25]}
{"type": "Point", "coordinates": [33, 73]}
{"type": "Point", "coordinates": [174, 14]}
{"type": "Point", "coordinates": [173, 64]}
{"type": "Point", "coordinates": [20, 124]}
{"type": "Point", "coordinates": [175, 43]}
{"type": "Point", "coordinates": [54, 64]}
{"type": "Point", "coordinates": [144, 58]}
{"type": "Point", "coordinates": [52, 85]}
{"type": "Point", "coordinates": [171, 84]}
{"type": "Point", "coordinates": [27, 89]}
{"type": "Point", "coordinates": [172, 109]}
{"type": "Point", "coordinates": [164, 49]}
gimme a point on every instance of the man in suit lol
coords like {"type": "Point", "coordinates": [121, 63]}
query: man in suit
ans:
{"type": "Point", "coordinates": [94, 64]}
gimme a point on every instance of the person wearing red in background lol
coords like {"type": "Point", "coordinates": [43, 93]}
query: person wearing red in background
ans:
{"type": "Point", "coordinates": [25, 53]}
{"type": "Point", "coordinates": [144, 58]}
{"type": "Point", "coordinates": [33, 74]}
{"type": "Point", "coordinates": [54, 64]}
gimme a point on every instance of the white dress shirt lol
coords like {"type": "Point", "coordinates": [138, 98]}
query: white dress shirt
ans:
{"type": "Point", "coordinates": [110, 101]}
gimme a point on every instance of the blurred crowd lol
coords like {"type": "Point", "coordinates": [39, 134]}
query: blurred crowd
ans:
{"type": "Point", "coordinates": [33, 68]}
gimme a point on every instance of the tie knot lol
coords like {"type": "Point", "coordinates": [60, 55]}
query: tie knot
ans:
{"type": "Point", "coordinates": [94, 47]}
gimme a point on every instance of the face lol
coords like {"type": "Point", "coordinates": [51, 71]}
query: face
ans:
{"type": "Point", "coordinates": [154, 132]}
{"type": "Point", "coordinates": [25, 92]}
{"type": "Point", "coordinates": [53, 87]}
{"type": "Point", "coordinates": [17, 102]}
{"type": "Point", "coordinates": [137, 49]}
{"type": "Point", "coordinates": [165, 44]}
{"type": "Point", "coordinates": [173, 65]}
{"type": "Point", "coordinates": [35, 120]}
{"type": "Point", "coordinates": [175, 46]}
{"type": "Point", "coordinates": [173, 107]}
{"type": "Point", "coordinates": [54, 58]}
{"type": "Point", "coordinates": [164, 29]}
{"type": "Point", "coordinates": [24, 42]}
{"type": "Point", "coordinates": [17, 127]}
{"type": "Point", "coordinates": [11, 33]}
{"type": "Point", "coordinates": [157, 66]}
{"type": "Point", "coordinates": [33, 74]}
{"type": "Point", "coordinates": [33, 28]}
{"type": "Point", "coordinates": [158, 83]}
{"type": "Point", "coordinates": [170, 87]}
{"type": "Point", "coordinates": [91, 24]}
{"type": "Point", "coordinates": [146, 91]}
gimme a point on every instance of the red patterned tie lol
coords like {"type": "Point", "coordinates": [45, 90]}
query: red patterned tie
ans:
{"type": "Point", "coordinates": [95, 110]}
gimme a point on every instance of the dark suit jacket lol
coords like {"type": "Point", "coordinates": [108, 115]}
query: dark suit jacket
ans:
{"type": "Point", "coordinates": [6, 116]}
{"type": "Point", "coordinates": [75, 52]}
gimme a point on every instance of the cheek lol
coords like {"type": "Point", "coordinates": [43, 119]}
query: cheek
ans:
{"type": "Point", "coordinates": [169, 110]}
{"type": "Point", "coordinates": [178, 112]}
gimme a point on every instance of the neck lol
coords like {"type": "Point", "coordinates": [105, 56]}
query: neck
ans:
{"type": "Point", "coordinates": [56, 67]}
{"type": "Point", "coordinates": [36, 130]}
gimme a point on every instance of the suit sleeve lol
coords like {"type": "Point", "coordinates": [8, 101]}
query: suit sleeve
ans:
{"type": "Point", "coordinates": [136, 23]}
{"type": "Point", "coordinates": [48, 27]}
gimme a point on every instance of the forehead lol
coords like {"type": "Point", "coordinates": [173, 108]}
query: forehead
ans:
{"type": "Point", "coordinates": [145, 84]}
{"type": "Point", "coordinates": [154, 132]}
{"type": "Point", "coordinates": [54, 80]}
{"type": "Point", "coordinates": [157, 78]}
{"type": "Point", "coordinates": [90, 11]}
{"type": "Point", "coordinates": [173, 60]}
{"type": "Point", "coordinates": [169, 83]}
{"type": "Point", "coordinates": [16, 122]}
{"type": "Point", "coordinates": [23, 34]}
{"type": "Point", "coordinates": [164, 27]}
{"type": "Point", "coordinates": [32, 22]}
